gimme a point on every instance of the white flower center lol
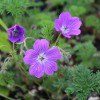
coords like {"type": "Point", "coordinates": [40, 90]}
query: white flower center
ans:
{"type": "Point", "coordinates": [64, 29]}
{"type": "Point", "coordinates": [41, 58]}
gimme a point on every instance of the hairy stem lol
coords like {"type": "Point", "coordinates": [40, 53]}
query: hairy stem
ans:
{"type": "Point", "coordinates": [57, 39]}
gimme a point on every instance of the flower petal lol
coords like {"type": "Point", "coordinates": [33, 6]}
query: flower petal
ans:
{"type": "Point", "coordinates": [57, 25]}
{"type": "Point", "coordinates": [30, 56]}
{"type": "Point", "coordinates": [74, 23]}
{"type": "Point", "coordinates": [66, 35]}
{"type": "Point", "coordinates": [50, 67]}
{"type": "Point", "coordinates": [22, 38]}
{"type": "Point", "coordinates": [36, 69]}
{"type": "Point", "coordinates": [41, 45]}
{"type": "Point", "coordinates": [10, 30]}
{"type": "Point", "coordinates": [20, 29]}
{"type": "Point", "coordinates": [53, 54]}
{"type": "Point", "coordinates": [13, 39]}
{"type": "Point", "coordinates": [72, 33]}
{"type": "Point", "coordinates": [75, 32]}
{"type": "Point", "coordinates": [64, 17]}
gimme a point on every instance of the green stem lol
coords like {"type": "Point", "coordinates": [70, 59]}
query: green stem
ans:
{"type": "Point", "coordinates": [13, 47]}
{"type": "Point", "coordinates": [20, 69]}
{"type": "Point", "coordinates": [46, 89]}
{"type": "Point", "coordinates": [13, 52]}
{"type": "Point", "coordinates": [6, 97]}
{"type": "Point", "coordinates": [16, 63]}
{"type": "Point", "coordinates": [57, 39]}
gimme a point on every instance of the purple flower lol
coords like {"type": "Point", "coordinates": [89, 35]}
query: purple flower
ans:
{"type": "Point", "coordinates": [42, 59]}
{"type": "Point", "coordinates": [68, 25]}
{"type": "Point", "coordinates": [16, 33]}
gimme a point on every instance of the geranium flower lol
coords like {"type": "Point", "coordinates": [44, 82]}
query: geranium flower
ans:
{"type": "Point", "coordinates": [16, 33]}
{"type": "Point", "coordinates": [67, 25]}
{"type": "Point", "coordinates": [42, 58]}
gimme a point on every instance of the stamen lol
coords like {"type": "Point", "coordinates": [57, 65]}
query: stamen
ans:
{"type": "Point", "coordinates": [41, 58]}
{"type": "Point", "coordinates": [65, 29]}
{"type": "Point", "coordinates": [15, 32]}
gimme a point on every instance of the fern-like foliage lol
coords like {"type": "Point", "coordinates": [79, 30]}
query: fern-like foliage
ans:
{"type": "Point", "coordinates": [83, 83]}
{"type": "Point", "coordinates": [86, 54]}
{"type": "Point", "coordinates": [15, 7]}
{"type": "Point", "coordinates": [47, 29]}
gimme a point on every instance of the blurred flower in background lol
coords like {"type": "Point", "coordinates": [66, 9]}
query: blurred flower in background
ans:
{"type": "Point", "coordinates": [16, 33]}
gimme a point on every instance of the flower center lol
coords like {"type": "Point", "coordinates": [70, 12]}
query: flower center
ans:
{"type": "Point", "coordinates": [41, 58]}
{"type": "Point", "coordinates": [64, 29]}
{"type": "Point", "coordinates": [15, 32]}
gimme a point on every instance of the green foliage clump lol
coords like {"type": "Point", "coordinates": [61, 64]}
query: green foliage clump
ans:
{"type": "Point", "coordinates": [80, 2]}
{"type": "Point", "coordinates": [76, 10]}
{"type": "Point", "coordinates": [83, 83]}
{"type": "Point", "coordinates": [79, 7]}
{"type": "Point", "coordinates": [38, 17]}
{"type": "Point", "coordinates": [15, 7]}
{"type": "Point", "coordinates": [65, 74]}
{"type": "Point", "coordinates": [93, 21]}
{"type": "Point", "coordinates": [86, 54]}
{"type": "Point", "coordinates": [6, 78]}
{"type": "Point", "coordinates": [57, 2]}
{"type": "Point", "coordinates": [47, 29]}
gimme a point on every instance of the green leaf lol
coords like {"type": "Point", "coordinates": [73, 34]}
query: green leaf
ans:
{"type": "Point", "coordinates": [3, 24]}
{"type": "Point", "coordinates": [4, 91]}
{"type": "Point", "coordinates": [5, 45]}
{"type": "Point", "coordinates": [69, 90]}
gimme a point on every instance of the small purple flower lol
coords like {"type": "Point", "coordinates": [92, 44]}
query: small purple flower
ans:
{"type": "Point", "coordinates": [16, 33]}
{"type": "Point", "coordinates": [42, 59]}
{"type": "Point", "coordinates": [68, 25]}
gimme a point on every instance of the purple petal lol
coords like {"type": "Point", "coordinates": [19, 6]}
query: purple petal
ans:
{"type": "Point", "coordinates": [64, 17]}
{"type": "Point", "coordinates": [53, 54]}
{"type": "Point", "coordinates": [36, 69]}
{"type": "Point", "coordinates": [66, 35]}
{"type": "Point", "coordinates": [13, 39]}
{"type": "Point", "coordinates": [57, 25]}
{"type": "Point", "coordinates": [41, 45]}
{"type": "Point", "coordinates": [22, 38]}
{"type": "Point", "coordinates": [9, 31]}
{"type": "Point", "coordinates": [50, 67]}
{"type": "Point", "coordinates": [19, 28]}
{"type": "Point", "coordinates": [74, 23]}
{"type": "Point", "coordinates": [72, 33]}
{"type": "Point", "coordinates": [19, 38]}
{"type": "Point", "coordinates": [30, 56]}
{"type": "Point", "coordinates": [75, 32]}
